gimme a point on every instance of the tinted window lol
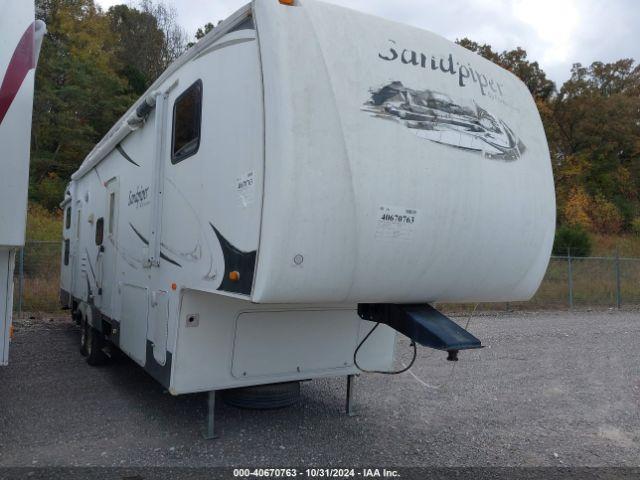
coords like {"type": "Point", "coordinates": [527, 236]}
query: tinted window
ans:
{"type": "Point", "coordinates": [67, 219]}
{"type": "Point", "coordinates": [99, 231]}
{"type": "Point", "coordinates": [187, 115]}
{"type": "Point", "coordinates": [66, 252]}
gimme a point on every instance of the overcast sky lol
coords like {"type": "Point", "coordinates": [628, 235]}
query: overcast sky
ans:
{"type": "Point", "coordinates": [557, 33]}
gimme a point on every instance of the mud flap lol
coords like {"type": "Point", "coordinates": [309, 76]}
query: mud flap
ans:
{"type": "Point", "coordinates": [421, 323]}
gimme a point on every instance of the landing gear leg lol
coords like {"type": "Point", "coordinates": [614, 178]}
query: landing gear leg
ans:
{"type": "Point", "coordinates": [209, 433]}
{"type": "Point", "coordinates": [351, 380]}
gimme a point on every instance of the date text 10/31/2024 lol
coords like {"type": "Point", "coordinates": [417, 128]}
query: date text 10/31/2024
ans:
{"type": "Point", "coordinates": [316, 473]}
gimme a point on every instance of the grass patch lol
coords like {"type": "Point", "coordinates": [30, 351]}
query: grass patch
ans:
{"type": "Point", "coordinates": [41, 294]}
{"type": "Point", "coordinates": [43, 225]}
{"type": "Point", "coordinates": [41, 281]}
{"type": "Point", "coordinates": [594, 285]}
{"type": "Point", "coordinates": [606, 245]}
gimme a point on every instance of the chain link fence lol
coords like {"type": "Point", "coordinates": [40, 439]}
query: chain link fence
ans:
{"type": "Point", "coordinates": [570, 282]}
{"type": "Point", "coordinates": [37, 278]}
{"type": "Point", "coordinates": [583, 282]}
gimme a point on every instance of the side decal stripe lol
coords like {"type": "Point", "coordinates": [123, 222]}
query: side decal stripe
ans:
{"type": "Point", "coordinates": [126, 155]}
{"type": "Point", "coordinates": [146, 242]}
{"type": "Point", "coordinates": [140, 236]}
{"type": "Point", "coordinates": [21, 62]}
{"type": "Point", "coordinates": [236, 260]}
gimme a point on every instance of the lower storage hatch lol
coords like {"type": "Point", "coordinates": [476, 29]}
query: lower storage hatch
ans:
{"type": "Point", "coordinates": [289, 342]}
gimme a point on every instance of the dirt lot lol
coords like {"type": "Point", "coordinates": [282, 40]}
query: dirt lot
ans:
{"type": "Point", "coordinates": [549, 389]}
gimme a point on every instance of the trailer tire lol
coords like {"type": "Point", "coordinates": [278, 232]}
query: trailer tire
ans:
{"type": "Point", "coordinates": [94, 346]}
{"type": "Point", "coordinates": [263, 397]}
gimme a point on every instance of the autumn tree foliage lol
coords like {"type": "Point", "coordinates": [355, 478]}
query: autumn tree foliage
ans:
{"type": "Point", "coordinates": [92, 67]}
{"type": "Point", "coordinates": [593, 128]}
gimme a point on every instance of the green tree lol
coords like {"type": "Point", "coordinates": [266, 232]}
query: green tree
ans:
{"type": "Point", "coordinates": [92, 67]}
{"type": "Point", "coordinates": [174, 38]}
{"type": "Point", "coordinates": [596, 117]}
{"type": "Point", "coordinates": [572, 240]}
{"type": "Point", "coordinates": [148, 39]}
{"type": "Point", "coordinates": [139, 43]}
{"type": "Point", "coordinates": [79, 93]}
{"type": "Point", "coordinates": [593, 128]}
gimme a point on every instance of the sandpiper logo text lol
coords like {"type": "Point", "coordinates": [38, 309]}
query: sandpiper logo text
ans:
{"type": "Point", "coordinates": [465, 74]}
{"type": "Point", "coordinates": [140, 197]}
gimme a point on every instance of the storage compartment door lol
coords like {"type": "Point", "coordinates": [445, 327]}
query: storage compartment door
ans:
{"type": "Point", "coordinates": [285, 343]}
{"type": "Point", "coordinates": [133, 323]}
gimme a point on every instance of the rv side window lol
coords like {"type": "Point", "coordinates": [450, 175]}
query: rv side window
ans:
{"type": "Point", "coordinates": [187, 116]}
{"type": "Point", "coordinates": [67, 219]}
{"type": "Point", "coordinates": [66, 252]}
{"type": "Point", "coordinates": [99, 231]}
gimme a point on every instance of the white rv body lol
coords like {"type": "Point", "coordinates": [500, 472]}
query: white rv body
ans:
{"type": "Point", "coordinates": [341, 159]}
{"type": "Point", "coordinates": [20, 40]}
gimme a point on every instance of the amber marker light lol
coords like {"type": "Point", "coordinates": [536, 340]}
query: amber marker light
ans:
{"type": "Point", "coordinates": [290, 3]}
{"type": "Point", "coordinates": [234, 276]}
{"type": "Point", "coordinates": [174, 286]}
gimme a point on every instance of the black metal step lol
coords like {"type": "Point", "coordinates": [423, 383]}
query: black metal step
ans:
{"type": "Point", "coordinates": [421, 323]}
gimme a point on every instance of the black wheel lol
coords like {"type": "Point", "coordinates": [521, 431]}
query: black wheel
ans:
{"type": "Point", "coordinates": [83, 335]}
{"type": "Point", "coordinates": [263, 397]}
{"type": "Point", "coordinates": [94, 346]}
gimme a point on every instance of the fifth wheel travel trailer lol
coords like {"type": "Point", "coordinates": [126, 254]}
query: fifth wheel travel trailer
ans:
{"type": "Point", "coordinates": [20, 40]}
{"type": "Point", "coordinates": [303, 171]}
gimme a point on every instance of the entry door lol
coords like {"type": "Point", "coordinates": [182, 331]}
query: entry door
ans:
{"type": "Point", "coordinates": [76, 276]}
{"type": "Point", "coordinates": [109, 257]}
{"type": "Point", "coordinates": [65, 254]}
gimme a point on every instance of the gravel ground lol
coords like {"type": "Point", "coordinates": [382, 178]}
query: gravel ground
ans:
{"type": "Point", "coordinates": [549, 389]}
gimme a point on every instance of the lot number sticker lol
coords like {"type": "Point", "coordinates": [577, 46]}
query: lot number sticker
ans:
{"type": "Point", "coordinates": [246, 188]}
{"type": "Point", "coordinates": [396, 222]}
